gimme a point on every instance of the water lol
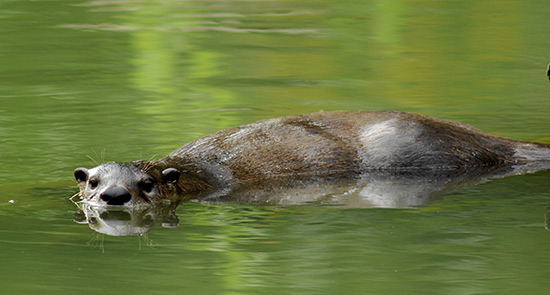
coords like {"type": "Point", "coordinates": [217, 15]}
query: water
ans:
{"type": "Point", "coordinates": [125, 80]}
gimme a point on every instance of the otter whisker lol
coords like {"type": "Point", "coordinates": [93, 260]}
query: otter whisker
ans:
{"type": "Point", "coordinates": [94, 162]}
{"type": "Point", "coordinates": [79, 194]}
{"type": "Point", "coordinates": [148, 166]}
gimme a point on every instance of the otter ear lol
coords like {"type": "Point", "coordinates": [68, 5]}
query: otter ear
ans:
{"type": "Point", "coordinates": [170, 175]}
{"type": "Point", "coordinates": [81, 174]}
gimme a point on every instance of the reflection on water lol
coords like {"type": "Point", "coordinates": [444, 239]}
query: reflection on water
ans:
{"type": "Point", "coordinates": [407, 189]}
{"type": "Point", "coordinates": [125, 221]}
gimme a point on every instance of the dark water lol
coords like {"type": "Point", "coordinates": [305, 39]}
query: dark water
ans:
{"type": "Point", "coordinates": [125, 80]}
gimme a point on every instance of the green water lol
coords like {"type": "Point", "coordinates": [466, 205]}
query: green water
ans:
{"type": "Point", "coordinates": [125, 80]}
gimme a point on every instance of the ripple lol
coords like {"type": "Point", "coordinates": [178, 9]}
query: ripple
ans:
{"type": "Point", "coordinates": [99, 27]}
{"type": "Point", "coordinates": [113, 27]}
{"type": "Point", "coordinates": [243, 30]}
{"type": "Point", "coordinates": [108, 2]}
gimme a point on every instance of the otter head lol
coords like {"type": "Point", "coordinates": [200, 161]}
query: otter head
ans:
{"type": "Point", "coordinates": [126, 184]}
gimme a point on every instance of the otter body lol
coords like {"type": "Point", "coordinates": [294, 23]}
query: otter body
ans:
{"type": "Point", "coordinates": [320, 146]}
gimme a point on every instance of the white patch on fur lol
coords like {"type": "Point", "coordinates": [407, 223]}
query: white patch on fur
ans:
{"type": "Point", "coordinates": [532, 158]}
{"type": "Point", "coordinates": [531, 152]}
{"type": "Point", "coordinates": [385, 140]}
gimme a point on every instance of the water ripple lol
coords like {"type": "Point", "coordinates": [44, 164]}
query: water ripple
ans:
{"type": "Point", "coordinates": [114, 27]}
{"type": "Point", "coordinates": [99, 27]}
{"type": "Point", "coordinates": [249, 30]}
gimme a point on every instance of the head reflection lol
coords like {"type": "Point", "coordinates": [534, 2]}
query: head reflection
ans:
{"type": "Point", "coordinates": [122, 221]}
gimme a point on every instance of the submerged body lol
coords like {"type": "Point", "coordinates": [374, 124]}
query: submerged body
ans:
{"type": "Point", "coordinates": [313, 147]}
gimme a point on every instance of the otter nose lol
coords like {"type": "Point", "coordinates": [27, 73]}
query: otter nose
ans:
{"type": "Point", "coordinates": [116, 195]}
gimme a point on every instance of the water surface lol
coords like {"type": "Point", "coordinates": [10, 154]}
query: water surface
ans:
{"type": "Point", "coordinates": [85, 81]}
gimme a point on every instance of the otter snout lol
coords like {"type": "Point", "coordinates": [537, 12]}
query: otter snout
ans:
{"type": "Point", "coordinates": [116, 195]}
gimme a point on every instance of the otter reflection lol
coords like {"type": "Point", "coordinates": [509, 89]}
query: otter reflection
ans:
{"type": "Point", "coordinates": [119, 221]}
{"type": "Point", "coordinates": [369, 190]}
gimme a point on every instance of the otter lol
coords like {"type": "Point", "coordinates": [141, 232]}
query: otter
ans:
{"type": "Point", "coordinates": [308, 149]}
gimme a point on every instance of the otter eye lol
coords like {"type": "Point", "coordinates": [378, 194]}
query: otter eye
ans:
{"type": "Point", "coordinates": [147, 186]}
{"type": "Point", "coordinates": [93, 183]}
